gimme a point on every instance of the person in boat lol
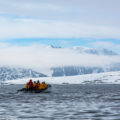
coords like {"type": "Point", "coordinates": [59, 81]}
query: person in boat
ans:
{"type": "Point", "coordinates": [38, 83]}
{"type": "Point", "coordinates": [34, 84]}
{"type": "Point", "coordinates": [26, 86]}
{"type": "Point", "coordinates": [42, 86]}
{"type": "Point", "coordinates": [30, 85]}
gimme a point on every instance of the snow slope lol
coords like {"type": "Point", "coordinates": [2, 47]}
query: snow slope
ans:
{"type": "Point", "coordinates": [12, 73]}
{"type": "Point", "coordinates": [101, 78]}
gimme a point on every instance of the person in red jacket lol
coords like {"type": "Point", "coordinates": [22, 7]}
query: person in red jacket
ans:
{"type": "Point", "coordinates": [30, 84]}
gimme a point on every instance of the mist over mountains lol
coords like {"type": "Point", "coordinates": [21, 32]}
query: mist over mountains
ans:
{"type": "Point", "coordinates": [86, 50]}
{"type": "Point", "coordinates": [94, 51]}
{"type": "Point", "coordinates": [58, 61]}
{"type": "Point", "coordinates": [80, 70]}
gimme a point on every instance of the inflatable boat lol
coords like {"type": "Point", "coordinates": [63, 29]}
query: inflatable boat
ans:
{"type": "Point", "coordinates": [34, 90]}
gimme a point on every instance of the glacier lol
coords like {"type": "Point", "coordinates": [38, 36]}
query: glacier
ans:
{"type": "Point", "coordinates": [97, 78]}
{"type": "Point", "coordinates": [62, 65]}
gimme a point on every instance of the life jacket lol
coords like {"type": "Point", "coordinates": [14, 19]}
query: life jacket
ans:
{"type": "Point", "coordinates": [40, 87]}
{"type": "Point", "coordinates": [44, 86]}
{"type": "Point", "coordinates": [34, 84]}
{"type": "Point", "coordinates": [30, 84]}
{"type": "Point", "coordinates": [26, 86]}
{"type": "Point", "coordinates": [38, 84]}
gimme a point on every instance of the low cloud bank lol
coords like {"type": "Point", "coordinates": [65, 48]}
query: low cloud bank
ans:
{"type": "Point", "coordinates": [42, 57]}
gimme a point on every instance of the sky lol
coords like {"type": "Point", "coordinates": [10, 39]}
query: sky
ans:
{"type": "Point", "coordinates": [91, 23]}
{"type": "Point", "coordinates": [66, 23]}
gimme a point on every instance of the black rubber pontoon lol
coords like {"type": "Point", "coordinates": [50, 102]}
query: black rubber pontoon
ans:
{"type": "Point", "coordinates": [34, 90]}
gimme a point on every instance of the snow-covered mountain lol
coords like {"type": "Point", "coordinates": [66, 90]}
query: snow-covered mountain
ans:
{"type": "Point", "coordinates": [93, 51]}
{"type": "Point", "coordinates": [58, 54]}
{"type": "Point", "coordinates": [52, 46]}
{"type": "Point", "coordinates": [80, 70]}
{"type": "Point", "coordinates": [101, 78]}
{"type": "Point", "coordinates": [87, 50]}
{"type": "Point", "coordinates": [75, 70]}
{"type": "Point", "coordinates": [10, 73]}
{"type": "Point", "coordinates": [84, 69]}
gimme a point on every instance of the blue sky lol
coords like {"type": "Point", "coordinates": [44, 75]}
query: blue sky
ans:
{"type": "Point", "coordinates": [59, 42]}
{"type": "Point", "coordinates": [27, 26]}
{"type": "Point", "coordinates": [65, 23]}
{"type": "Point", "coordinates": [108, 43]}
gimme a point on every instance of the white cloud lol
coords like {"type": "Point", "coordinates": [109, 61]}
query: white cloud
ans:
{"type": "Point", "coordinates": [57, 19]}
{"type": "Point", "coordinates": [60, 18]}
{"type": "Point", "coordinates": [99, 12]}
{"type": "Point", "coordinates": [42, 57]}
{"type": "Point", "coordinates": [27, 28]}
{"type": "Point", "coordinates": [107, 45]}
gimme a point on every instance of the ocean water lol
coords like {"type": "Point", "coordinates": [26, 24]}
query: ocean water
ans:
{"type": "Point", "coordinates": [62, 102]}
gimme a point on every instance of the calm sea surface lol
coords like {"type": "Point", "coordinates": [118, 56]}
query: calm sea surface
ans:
{"type": "Point", "coordinates": [64, 102]}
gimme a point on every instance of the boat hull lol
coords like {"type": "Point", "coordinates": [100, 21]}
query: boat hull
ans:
{"type": "Point", "coordinates": [34, 90]}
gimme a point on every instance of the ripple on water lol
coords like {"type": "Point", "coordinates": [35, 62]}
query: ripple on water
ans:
{"type": "Point", "coordinates": [85, 102]}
